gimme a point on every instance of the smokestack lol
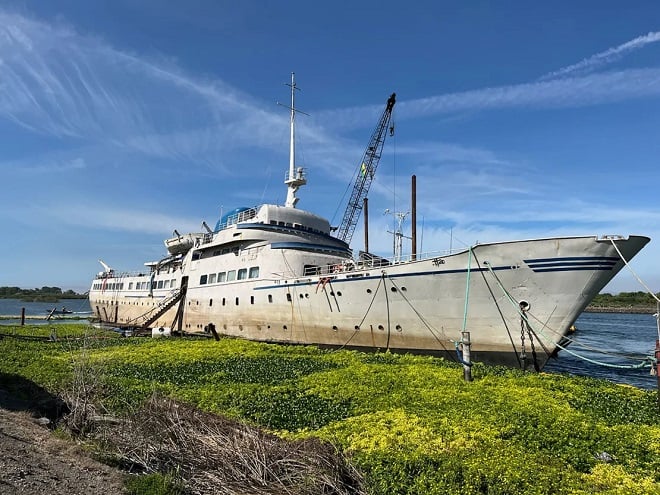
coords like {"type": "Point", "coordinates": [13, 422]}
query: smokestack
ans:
{"type": "Point", "coordinates": [414, 217]}
{"type": "Point", "coordinates": [365, 207]}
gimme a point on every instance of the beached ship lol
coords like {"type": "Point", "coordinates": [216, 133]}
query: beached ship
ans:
{"type": "Point", "coordinates": [276, 273]}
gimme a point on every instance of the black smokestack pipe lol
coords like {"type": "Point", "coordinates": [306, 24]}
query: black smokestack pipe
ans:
{"type": "Point", "coordinates": [414, 217]}
{"type": "Point", "coordinates": [366, 224]}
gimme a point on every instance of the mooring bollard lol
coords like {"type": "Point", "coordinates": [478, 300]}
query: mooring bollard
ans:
{"type": "Point", "coordinates": [467, 364]}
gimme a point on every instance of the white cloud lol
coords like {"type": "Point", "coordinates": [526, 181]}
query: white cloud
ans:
{"type": "Point", "coordinates": [605, 57]}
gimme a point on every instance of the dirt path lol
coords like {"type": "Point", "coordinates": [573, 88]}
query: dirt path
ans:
{"type": "Point", "coordinates": [33, 461]}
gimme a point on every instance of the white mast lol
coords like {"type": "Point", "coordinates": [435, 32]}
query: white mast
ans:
{"type": "Point", "coordinates": [295, 178]}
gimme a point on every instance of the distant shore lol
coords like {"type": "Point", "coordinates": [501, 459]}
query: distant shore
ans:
{"type": "Point", "coordinates": [614, 309]}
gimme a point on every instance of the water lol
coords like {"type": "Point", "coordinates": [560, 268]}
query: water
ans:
{"type": "Point", "coordinates": [621, 334]}
{"type": "Point", "coordinates": [80, 308]}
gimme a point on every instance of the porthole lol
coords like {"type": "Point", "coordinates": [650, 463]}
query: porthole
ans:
{"type": "Point", "coordinates": [283, 327]}
{"type": "Point", "coordinates": [524, 305]}
{"type": "Point", "coordinates": [381, 327]}
{"type": "Point", "coordinates": [357, 327]}
{"type": "Point", "coordinates": [398, 328]}
{"type": "Point", "coordinates": [368, 291]}
{"type": "Point", "coordinates": [393, 289]}
{"type": "Point", "coordinates": [339, 293]}
{"type": "Point", "coordinates": [334, 327]}
{"type": "Point", "coordinates": [403, 289]}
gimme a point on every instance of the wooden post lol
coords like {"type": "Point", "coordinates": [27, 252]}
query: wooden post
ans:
{"type": "Point", "coordinates": [51, 314]}
{"type": "Point", "coordinates": [22, 316]}
{"type": "Point", "coordinates": [467, 364]}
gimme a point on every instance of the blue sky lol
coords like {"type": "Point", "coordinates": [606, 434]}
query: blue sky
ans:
{"type": "Point", "coordinates": [122, 121]}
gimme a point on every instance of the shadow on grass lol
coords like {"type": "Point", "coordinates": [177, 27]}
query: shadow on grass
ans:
{"type": "Point", "coordinates": [17, 393]}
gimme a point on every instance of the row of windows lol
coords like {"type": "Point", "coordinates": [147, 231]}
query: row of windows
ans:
{"type": "Point", "coordinates": [160, 284]}
{"type": "Point", "coordinates": [230, 276]}
{"type": "Point", "coordinates": [296, 226]}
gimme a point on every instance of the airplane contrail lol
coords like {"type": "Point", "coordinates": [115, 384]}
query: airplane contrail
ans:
{"type": "Point", "coordinates": [602, 58]}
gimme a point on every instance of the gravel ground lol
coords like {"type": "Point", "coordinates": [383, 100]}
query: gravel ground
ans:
{"type": "Point", "coordinates": [35, 461]}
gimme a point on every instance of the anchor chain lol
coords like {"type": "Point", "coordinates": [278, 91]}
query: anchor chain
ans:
{"type": "Point", "coordinates": [525, 327]}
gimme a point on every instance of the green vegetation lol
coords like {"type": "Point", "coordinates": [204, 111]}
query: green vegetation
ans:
{"type": "Point", "coordinates": [625, 300]}
{"type": "Point", "coordinates": [409, 424]}
{"type": "Point", "coordinates": [154, 484]}
{"type": "Point", "coordinates": [45, 294]}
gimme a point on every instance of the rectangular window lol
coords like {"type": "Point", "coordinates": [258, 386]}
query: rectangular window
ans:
{"type": "Point", "coordinates": [202, 279]}
{"type": "Point", "coordinates": [166, 284]}
{"type": "Point", "coordinates": [222, 276]}
{"type": "Point", "coordinates": [173, 283]}
{"type": "Point", "coordinates": [160, 284]}
{"type": "Point", "coordinates": [212, 278]}
{"type": "Point", "coordinates": [242, 274]}
{"type": "Point", "coordinates": [254, 272]}
{"type": "Point", "coordinates": [270, 298]}
{"type": "Point", "coordinates": [251, 299]}
{"type": "Point", "coordinates": [231, 275]}
{"type": "Point", "coordinates": [130, 285]}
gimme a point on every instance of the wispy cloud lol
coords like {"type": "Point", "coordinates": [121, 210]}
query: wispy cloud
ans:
{"type": "Point", "coordinates": [611, 54]}
{"type": "Point", "coordinates": [57, 82]}
{"type": "Point", "coordinates": [86, 216]}
{"type": "Point", "coordinates": [574, 92]}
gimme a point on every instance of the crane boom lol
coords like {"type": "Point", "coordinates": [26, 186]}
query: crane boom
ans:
{"type": "Point", "coordinates": [365, 175]}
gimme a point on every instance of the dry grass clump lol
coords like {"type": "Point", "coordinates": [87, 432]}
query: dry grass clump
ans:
{"type": "Point", "coordinates": [213, 454]}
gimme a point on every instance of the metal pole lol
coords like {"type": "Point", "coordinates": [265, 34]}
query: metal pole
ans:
{"type": "Point", "coordinates": [414, 217]}
{"type": "Point", "coordinates": [467, 368]}
{"type": "Point", "coordinates": [22, 316]}
{"type": "Point", "coordinates": [366, 224]}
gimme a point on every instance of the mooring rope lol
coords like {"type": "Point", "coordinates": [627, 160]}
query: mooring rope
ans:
{"type": "Point", "coordinates": [657, 301]}
{"type": "Point", "coordinates": [648, 361]}
{"type": "Point", "coordinates": [467, 289]}
{"type": "Point", "coordinates": [421, 317]}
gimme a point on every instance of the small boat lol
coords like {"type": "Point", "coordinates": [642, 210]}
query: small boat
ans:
{"type": "Point", "coordinates": [62, 311]}
{"type": "Point", "coordinates": [276, 273]}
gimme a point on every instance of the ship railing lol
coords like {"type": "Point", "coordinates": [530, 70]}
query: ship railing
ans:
{"type": "Point", "coordinates": [113, 274]}
{"type": "Point", "coordinates": [367, 261]}
{"type": "Point", "coordinates": [241, 216]}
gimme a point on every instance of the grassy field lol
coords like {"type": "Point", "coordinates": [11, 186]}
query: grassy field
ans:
{"type": "Point", "coordinates": [409, 424]}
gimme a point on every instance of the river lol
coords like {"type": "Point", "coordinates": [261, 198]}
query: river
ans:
{"type": "Point", "coordinates": [621, 334]}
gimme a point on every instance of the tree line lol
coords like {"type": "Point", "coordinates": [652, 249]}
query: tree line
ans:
{"type": "Point", "coordinates": [625, 299]}
{"type": "Point", "coordinates": [45, 294]}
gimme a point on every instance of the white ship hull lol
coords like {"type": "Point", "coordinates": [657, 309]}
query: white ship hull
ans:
{"type": "Point", "coordinates": [417, 306]}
